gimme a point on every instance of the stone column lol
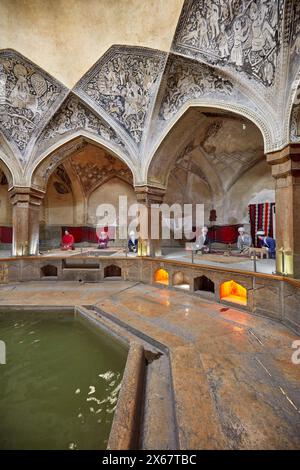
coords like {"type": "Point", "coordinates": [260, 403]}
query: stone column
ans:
{"type": "Point", "coordinates": [148, 195]}
{"type": "Point", "coordinates": [286, 171]}
{"type": "Point", "coordinates": [26, 204]}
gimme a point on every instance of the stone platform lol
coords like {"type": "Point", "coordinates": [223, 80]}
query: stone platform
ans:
{"type": "Point", "coordinates": [235, 386]}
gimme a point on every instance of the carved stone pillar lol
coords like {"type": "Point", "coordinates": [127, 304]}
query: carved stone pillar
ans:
{"type": "Point", "coordinates": [25, 218]}
{"type": "Point", "coordinates": [286, 171]}
{"type": "Point", "coordinates": [148, 196]}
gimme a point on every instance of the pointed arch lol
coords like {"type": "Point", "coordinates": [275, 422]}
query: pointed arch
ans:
{"type": "Point", "coordinates": [38, 172]}
{"type": "Point", "coordinates": [157, 152]}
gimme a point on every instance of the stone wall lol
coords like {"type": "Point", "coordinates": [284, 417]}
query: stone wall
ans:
{"type": "Point", "coordinates": [274, 297]}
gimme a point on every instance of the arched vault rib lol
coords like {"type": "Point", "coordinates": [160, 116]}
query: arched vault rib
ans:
{"type": "Point", "coordinates": [10, 164]}
{"type": "Point", "coordinates": [40, 171]}
{"type": "Point", "coordinates": [217, 105]}
{"type": "Point", "coordinates": [201, 133]}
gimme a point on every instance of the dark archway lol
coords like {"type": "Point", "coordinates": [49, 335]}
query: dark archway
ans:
{"type": "Point", "coordinates": [49, 271]}
{"type": "Point", "coordinates": [204, 284]}
{"type": "Point", "coordinates": [112, 271]}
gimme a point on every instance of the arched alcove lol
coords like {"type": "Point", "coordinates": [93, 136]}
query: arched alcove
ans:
{"type": "Point", "coordinates": [82, 176]}
{"type": "Point", "coordinates": [112, 271]}
{"type": "Point", "coordinates": [5, 209]}
{"type": "Point", "coordinates": [161, 276]}
{"type": "Point", "coordinates": [204, 284]}
{"type": "Point", "coordinates": [231, 291]}
{"type": "Point", "coordinates": [49, 271]}
{"type": "Point", "coordinates": [181, 281]}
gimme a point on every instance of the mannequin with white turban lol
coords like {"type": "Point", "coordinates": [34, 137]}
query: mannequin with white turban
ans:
{"type": "Point", "coordinates": [244, 240]}
{"type": "Point", "coordinates": [132, 243]}
{"type": "Point", "coordinates": [267, 242]}
{"type": "Point", "coordinates": [202, 242]}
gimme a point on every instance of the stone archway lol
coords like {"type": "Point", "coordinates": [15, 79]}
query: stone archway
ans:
{"type": "Point", "coordinates": [71, 178]}
{"type": "Point", "coordinates": [5, 207]}
{"type": "Point", "coordinates": [207, 157]}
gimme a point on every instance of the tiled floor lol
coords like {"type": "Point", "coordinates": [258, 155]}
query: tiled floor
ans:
{"type": "Point", "coordinates": [235, 384]}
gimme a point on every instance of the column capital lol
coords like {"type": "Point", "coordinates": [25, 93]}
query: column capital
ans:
{"type": "Point", "coordinates": [149, 194]}
{"type": "Point", "coordinates": [285, 162]}
{"type": "Point", "coordinates": [23, 194]}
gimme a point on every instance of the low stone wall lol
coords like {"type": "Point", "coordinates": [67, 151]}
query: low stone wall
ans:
{"type": "Point", "coordinates": [271, 296]}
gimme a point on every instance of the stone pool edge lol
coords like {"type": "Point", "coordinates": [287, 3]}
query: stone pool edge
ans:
{"type": "Point", "coordinates": [126, 429]}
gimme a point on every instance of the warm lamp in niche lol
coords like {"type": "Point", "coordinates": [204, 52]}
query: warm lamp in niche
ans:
{"type": "Point", "coordinates": [231, 291]}
{"type": "Point", "coordinates": [162, 277]}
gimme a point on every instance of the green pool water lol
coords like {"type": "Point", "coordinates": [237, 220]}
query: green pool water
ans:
{"type": "Point", "coordinates": [60, 384]}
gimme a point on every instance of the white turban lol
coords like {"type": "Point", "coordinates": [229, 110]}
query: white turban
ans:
{"type": "Point", "coordinates": [241, 229]}
{"type": "Point", "coordinates": [260, 232]}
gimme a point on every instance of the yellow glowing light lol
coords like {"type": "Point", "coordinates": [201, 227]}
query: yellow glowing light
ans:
{"type": "Point", "coordinates": [162, 277]}
{"type": "Point", "coordinates": [233, 292]}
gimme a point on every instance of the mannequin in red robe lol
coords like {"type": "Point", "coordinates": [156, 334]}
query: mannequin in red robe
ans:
{"type": "Point", "coordinates": [103, 240]}
{"type": "Point", "coordinates": [67, 241]}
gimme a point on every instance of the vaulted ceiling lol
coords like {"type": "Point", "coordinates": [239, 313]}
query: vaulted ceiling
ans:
{"type": "Point", "coordinates": [240, 56]}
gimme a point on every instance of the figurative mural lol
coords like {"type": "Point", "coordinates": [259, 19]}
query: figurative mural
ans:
{"type": "Point", "coordinates": [72, 116]}
{"type": "Point", "coordinates": [26, 95]}
{"type": "Point", "coordinates": [243, 33]}
{"type": "Point", "coordinates": [189, 81]}
{"type": "Point", "coordinates": [123, 87]}
{"type": "Point", "coordinates": [295, 30]}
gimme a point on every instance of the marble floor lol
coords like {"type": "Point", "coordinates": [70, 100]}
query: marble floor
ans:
{"type": "Point", "coordinates": [235, 386]}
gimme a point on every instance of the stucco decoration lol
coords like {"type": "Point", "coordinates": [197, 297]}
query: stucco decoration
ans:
{"type": "Point", "coordinates": [94, 173]}
{"type": "Point", "coordinates": [123, 84]}
{"type": "Point", "coordinates": [28, 97]}
{"type": "Point", "coordinates": [74, 116]}
{"type": "Point", "coordinates": [47, 166]}
{"type": "Point", "coordinates": [187, 81]}
{"type": "Point", "coordinates": [244, 34]}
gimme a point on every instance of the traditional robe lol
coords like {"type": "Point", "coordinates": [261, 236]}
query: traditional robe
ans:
{"type": "Point", "coordinates": [270, 244]}
{"type": "Point", "coordinates": [103, 240]}
{"type": "Point", "coordinates": [244, 242]}
{"type": "Point", "coordinates": [202, 242]}
{"type": "Point", "coordinates": [133, 244]}
{"type": "Point", "coordinates": [68, 242]}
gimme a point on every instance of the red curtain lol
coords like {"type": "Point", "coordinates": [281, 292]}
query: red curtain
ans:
{"type": "Point", "coordinates": [5, 234]}
{"type": "Point", "coordinates": [224, 233]}
{"type": "Point", "coordinates": [87, 234]}
{"type": "Point", "coordinates": [261, 218]}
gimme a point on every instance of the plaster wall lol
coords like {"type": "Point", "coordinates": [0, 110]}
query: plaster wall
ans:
{"type": "Point", "coordinates": [5, 207]}
{"type": "Point", "coordinates": [256, 184]}
{"type": "Point", "coordinates": [108, 193]}
{"type": "Point", "coordinates": [57, 208]}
